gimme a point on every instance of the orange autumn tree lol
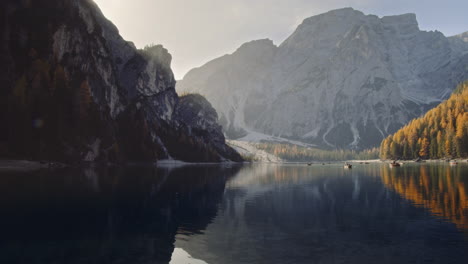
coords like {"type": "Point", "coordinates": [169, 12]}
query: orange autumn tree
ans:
{"type": "Point", "coordinates": [424, 151]}
{"type": "Point", "coordinates": [441, 133]}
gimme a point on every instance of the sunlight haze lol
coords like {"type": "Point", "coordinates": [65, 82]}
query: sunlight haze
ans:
{"type": "Point", "coordinates": [195, 32]}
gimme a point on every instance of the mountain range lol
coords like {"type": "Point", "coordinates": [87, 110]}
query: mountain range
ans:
{"type": "Point", "coordinates": [343, 79]}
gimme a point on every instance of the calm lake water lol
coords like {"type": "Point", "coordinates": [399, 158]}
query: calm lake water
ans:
{"type": "Point", "coordinates": [262, 213]}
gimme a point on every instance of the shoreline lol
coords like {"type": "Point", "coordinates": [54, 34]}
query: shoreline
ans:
{"type": "Point", "coordinates": [28, 166]}
{"type": "Point", "coordinates": [31, 166]}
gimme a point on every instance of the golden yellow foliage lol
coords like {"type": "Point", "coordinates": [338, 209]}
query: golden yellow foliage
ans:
{"type": "Point", "coordinates": [442, 132]}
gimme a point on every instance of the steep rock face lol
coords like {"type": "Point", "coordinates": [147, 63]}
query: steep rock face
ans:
{"type": "Point", "coordinates": [342, 79]}
{"type": "Point", "coordinates": [73, 89]}
{"type": "Point", "coordinates": [237, 76]}
{"type": "Point", "coordinates": [201, 120]}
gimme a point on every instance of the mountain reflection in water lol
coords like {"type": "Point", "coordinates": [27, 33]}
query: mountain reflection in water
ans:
{"type": "Point", "coordinates": [322, 214]}
{"type": "Point", "coordinates": [260, 213]}
{"type": "Point", "coordinates": [115, 215]}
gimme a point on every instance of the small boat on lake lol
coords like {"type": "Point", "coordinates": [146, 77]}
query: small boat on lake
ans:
{"type": "Point", "coordinates": [309, 164]}
{"type": "Point", "coordinates": [394, 164]}
{"type": "Point", "coordinates": [453, 162]}
{"type": "Point", "coordinates": [348, 166]}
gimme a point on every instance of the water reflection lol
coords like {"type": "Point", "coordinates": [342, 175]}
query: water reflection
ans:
{"type": "Point", "coordinates": [251, 214]}
{"type": "Point", "coordinates": [301, 214]}
{"type": "Point", "coordinates": [105, 215]}
{"type": "Point", "coordinates": [439, 188]}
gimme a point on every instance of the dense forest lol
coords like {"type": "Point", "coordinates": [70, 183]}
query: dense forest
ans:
{"type": "Point", "coordinates": [290, 152]}
{"type": "Point", "coordinates": [441, 133]}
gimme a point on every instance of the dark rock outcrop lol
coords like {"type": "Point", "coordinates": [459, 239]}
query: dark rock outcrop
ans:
{"type": "Point", "coordinates": [201, 121]}
{"type": "Point", "coordinates": [74, 90]}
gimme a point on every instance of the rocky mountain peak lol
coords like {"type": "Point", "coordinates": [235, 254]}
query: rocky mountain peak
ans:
{"type": "Point", "coordinates": [408, 19]}
{"type": "Point", "coordinates": [335, 18]}
{"type": "Point", "coordinates": [343, 79]}
{"type": "Point", "coordinates": [256, 44]}
{"type": "Point", "coordinates": [406, 23]}
{"type": "Point", "coordinates": [337, 14]}
{"type": "Point", "coordinates": [257, 49]}
{"type": "Point", "coordinates": [159, 54]}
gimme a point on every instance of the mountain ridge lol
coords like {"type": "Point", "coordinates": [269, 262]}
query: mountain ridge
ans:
{"type": "Point", "coordinates": [343, 79]}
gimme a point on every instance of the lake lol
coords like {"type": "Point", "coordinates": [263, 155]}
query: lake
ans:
{"type": "Point", "coordinates": [259, 213]}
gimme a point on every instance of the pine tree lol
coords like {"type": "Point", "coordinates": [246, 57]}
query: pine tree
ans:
{"type": "Point", "coordinates": [448, 146]}
{"type": "Point", "coordinates": [440, 144]}
{"type": "Point", "coordinates": [424, 150]}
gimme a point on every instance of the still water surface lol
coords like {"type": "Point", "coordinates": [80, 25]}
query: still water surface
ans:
{"type": "Point", "coordinates": [260, 213]}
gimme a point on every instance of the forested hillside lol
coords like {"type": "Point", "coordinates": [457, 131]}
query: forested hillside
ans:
{"type": "Point", "coordinates": [296, 153]}
{"type": "Point", "coordinates": [441, 133]}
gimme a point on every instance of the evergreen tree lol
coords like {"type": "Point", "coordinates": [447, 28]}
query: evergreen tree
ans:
{"type": "Point", "coordinates": [424, 150]}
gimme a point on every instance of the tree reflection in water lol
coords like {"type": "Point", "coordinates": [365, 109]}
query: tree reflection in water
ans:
{"type": "Point", "coordinates": [440, 188]}
{"type": "Point", "coordinates": [261, 213]}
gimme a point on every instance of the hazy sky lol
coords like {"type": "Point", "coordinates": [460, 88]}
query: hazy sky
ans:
{"type": "Point", "coordinates": [196, 31]}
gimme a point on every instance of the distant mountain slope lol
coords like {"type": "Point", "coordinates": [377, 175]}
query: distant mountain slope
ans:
{"type": "Point", "coordinates": [73, 90]}
{"type": "Point", "coordinates": [441, 133]}
{"type": "Point", "coordinates": [341, 80]}
{"type": "Point", "coordinates": [460, 42]}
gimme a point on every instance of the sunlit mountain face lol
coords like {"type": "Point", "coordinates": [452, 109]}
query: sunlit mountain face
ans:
{"type": "Point", "coordinates": [442, 190]}
{"type": "Point", "coordinates": [343, 79]}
